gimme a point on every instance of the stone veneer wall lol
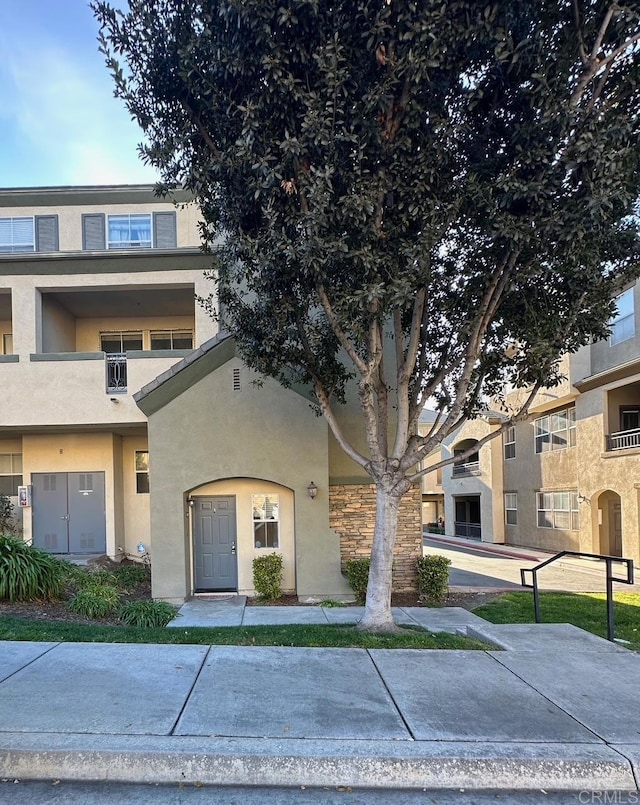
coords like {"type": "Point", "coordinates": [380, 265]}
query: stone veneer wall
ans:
{"type": "Point", "coordinates": [352, 511]}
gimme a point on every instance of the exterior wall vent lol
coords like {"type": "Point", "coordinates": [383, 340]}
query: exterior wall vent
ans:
{"type": "Point", "coordinates": [236, 380]}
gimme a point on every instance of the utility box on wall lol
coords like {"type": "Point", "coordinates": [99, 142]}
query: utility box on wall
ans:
{"type": "Point", "coordinates": [24, 496]}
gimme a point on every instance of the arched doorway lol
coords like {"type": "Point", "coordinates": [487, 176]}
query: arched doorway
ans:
{"type": "Point", "coordinates": [609, 523]}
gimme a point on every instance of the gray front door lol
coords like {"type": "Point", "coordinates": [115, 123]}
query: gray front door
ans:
{"type": "Point", "coordinates": [68, 512]}
{"type": "Point", "coordinates": [214, 536]}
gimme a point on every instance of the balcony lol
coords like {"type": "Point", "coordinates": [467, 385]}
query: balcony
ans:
{"type": "Point", "coordinates": [468, 468]}
{"type": "Point", "coordinates": [623, 439]}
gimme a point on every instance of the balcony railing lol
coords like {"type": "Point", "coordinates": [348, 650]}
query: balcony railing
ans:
{"type": "Point", "coordinates": [624, 439]}
{"type": "Point", "coordinates": [470, 468]}
{"type": "Point", "coordinates": [470, 530]}
{"type": "Point", "coordinates": [116, 371]}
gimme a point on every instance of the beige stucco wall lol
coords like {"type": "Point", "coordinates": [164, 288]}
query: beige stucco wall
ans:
{"type": "Point", "coordinates": [70, 219]}
{"type": "Point", "coordinates": [210, 433]}
{"type": "Point", "coordinates": [243, 489]}
{"type": "Point", "coordinates": [487, 484]}
{"type": "Point", "coordinates": [58, 327]}
{"type": "Point", "coordinates": [126, 513]}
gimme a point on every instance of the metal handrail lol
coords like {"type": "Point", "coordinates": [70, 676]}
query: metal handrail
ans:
{"type": "Point", "coordinates": [609, 560]}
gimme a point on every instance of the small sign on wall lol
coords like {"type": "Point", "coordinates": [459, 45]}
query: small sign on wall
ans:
{"type": "Point", "coordinates": [24, 496]}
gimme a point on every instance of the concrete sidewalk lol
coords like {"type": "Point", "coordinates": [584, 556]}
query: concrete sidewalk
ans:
{"type": "Point", "coordinates": [559, 709]}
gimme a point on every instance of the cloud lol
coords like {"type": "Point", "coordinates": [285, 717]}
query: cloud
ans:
{"type": "Point", "coordinates": [66, 117]}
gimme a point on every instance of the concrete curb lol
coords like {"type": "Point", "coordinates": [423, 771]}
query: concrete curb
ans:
{"type": "Point", "coordinates": [300, 762]}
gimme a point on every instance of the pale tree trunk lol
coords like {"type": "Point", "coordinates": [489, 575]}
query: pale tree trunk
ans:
{"type": "Point", "coordinates": [377, 612]}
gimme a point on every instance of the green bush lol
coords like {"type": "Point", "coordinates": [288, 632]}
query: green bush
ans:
{"type": "Point", "coordinates": [433, 579]}
{"type": "Point", "coordinates": [131, 576]}
{"type": "Point", "coordinates": [358, 577]}
{"type": "Point", "coordinates": [146, 614]}
{"type": "Point", "coordinates": [435, 528]}
{"type": "Point", "coordinates": [94, 578]}
{"type": "Point", "coordinates": [95, 601]}
{"type": "Point", "coordinates": [267, 576]}
{"type": "Point", "coordinates": [28, 573]}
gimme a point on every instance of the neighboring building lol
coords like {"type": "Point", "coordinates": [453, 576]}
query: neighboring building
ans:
{"type": "Point", "coordinates": [569, 477]}
{"type": "Point", "coordinates": [98, 290]}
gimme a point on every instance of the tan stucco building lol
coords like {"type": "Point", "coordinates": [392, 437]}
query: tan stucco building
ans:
{"type": "Point", "coordinates": [569, 477]}
{"type": "Point", "coordinates": [132, 428]}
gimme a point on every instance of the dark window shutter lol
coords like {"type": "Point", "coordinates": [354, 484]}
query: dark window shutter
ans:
{"type": "Point", "coordinates": [164, 230]}
{"type": "Point", "coordinates": [93, 232]}
{"type": "Point", "coordinates": [47, 233]}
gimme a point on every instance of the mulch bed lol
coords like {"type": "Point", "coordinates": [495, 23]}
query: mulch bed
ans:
{"type": "Point", "coordinates": [58, 611]}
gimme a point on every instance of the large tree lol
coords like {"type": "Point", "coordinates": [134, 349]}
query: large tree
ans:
{"type": "Point", "coordinates": [420, 200]}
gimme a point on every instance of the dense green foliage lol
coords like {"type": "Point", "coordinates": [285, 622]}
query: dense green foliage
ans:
{"type": "Point", "coordinates": [267, 576]}
{"type": "Point", "coordinates": [27, 573]}
{"type": "Point", "coordinates": [130, 576]}
{"type": "Point", "coordinates": [146, 614]}
{"type": "Point", "coordinates": [357, 571]}
{"type": "Point", "coordinates": [455, 181]}
{"type": "Point", "coordinates": [433, 579]}
{"type": "Point", "coordinates": [95, 601]}
{"type": "Point", "coordinates": [586, 610]}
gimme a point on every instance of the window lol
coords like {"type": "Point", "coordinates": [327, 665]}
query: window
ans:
{"type": "Point", "coordinates": [120, 341]}
{"type": "Point", "coordinates": [509, 442]}
{"type": "Point", "coordinates": [630, 418]}
{"type": "Point", "coordinates": [17, 235]}
{"type": "Point", "coordinates": [558, 510]}
{"type": "Point", "coordinates": [171, 339]}
{"type": "Point", "coordinates": [129, 231]}
{"type": "Point", "coordinates": [266, 509]}
{"type": "Point", "coordinates": [511, 508]}
{"type": "Point", "coordinates": [623, 323]}
{"type": "Point", "coordinates": [556, 431]}
{"type": "Point", "coordinates": [142, 472]}
{"type": "Point", "coordinates": [10, 473]}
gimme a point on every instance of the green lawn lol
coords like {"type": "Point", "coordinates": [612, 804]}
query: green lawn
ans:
{"type": "Point", "coordinates": [586, 610]}
{"type": "Point", "coordinates": [306, 635]}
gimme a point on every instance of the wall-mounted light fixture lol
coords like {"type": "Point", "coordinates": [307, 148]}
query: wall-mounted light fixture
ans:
{"type": "Point", "coordinates": [312, 490]}
{"type": "Point", "coordinates": [583, 499]}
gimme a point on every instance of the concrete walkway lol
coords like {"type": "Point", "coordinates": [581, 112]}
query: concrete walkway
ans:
{"type": "Point", "coordinates": [559, 709]}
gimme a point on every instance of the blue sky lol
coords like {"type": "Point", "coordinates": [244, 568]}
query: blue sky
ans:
{"type": "Point", "coordinates": [59, 121]}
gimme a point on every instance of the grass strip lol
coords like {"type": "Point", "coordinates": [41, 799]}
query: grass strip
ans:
{"type": "Point", "coordinates": [586, 610]}
{"type": "Point", "coordinates": [340, 636]}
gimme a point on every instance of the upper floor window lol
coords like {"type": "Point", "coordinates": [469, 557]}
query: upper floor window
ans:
{"type": "Point", "coordinates": [129, 231]}
{"type": "Point", "coordinates": [29, 234]}
{"type": "Point", "coordinates": [509, 442]}
{"type": "Point", "coordinates": [17, 235]}
{"type": "Point", "coordinates": [623, 323]}
{"type": "Point", "coordinates": [555, 431]}
{"type": "Point", "coordinates": [156, 230]}
{"type": "Point", "coordinates": [120, 341]}
{"type": "Point", "coordinates": [10, 473]}
{"type": "Point", "coordinates": [171, 339]}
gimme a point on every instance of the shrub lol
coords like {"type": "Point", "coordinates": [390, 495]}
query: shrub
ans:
{"type": "Point", "coordinates": [95, 601]}
{"type": "Point", "coordinates": [358, 577]}
{"type": "Point", "coordinates": [94, 578]}
{"type": "Point", "coordinates": [433, 579]}
{"type": "Point", "coordinates": [267, 576]}
{"type": "Point", "coordinates": [146, 614]}
{"type": "Point", "coordinates": [28, 573]}
{"type": "Point", "coordinates": [435, 528]}
{"type": "Point", "coordinates": [131, 576]}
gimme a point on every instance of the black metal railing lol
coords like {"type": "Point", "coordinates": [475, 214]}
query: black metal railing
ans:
{"type": "Point", "coordinates": [471, 530]}
{"type": "Point", "coordinates": [469, 468]}
{"type": "Point", "coordinates": [608, 560]}
{"type": "Point", "coordinates": [116, 371]}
